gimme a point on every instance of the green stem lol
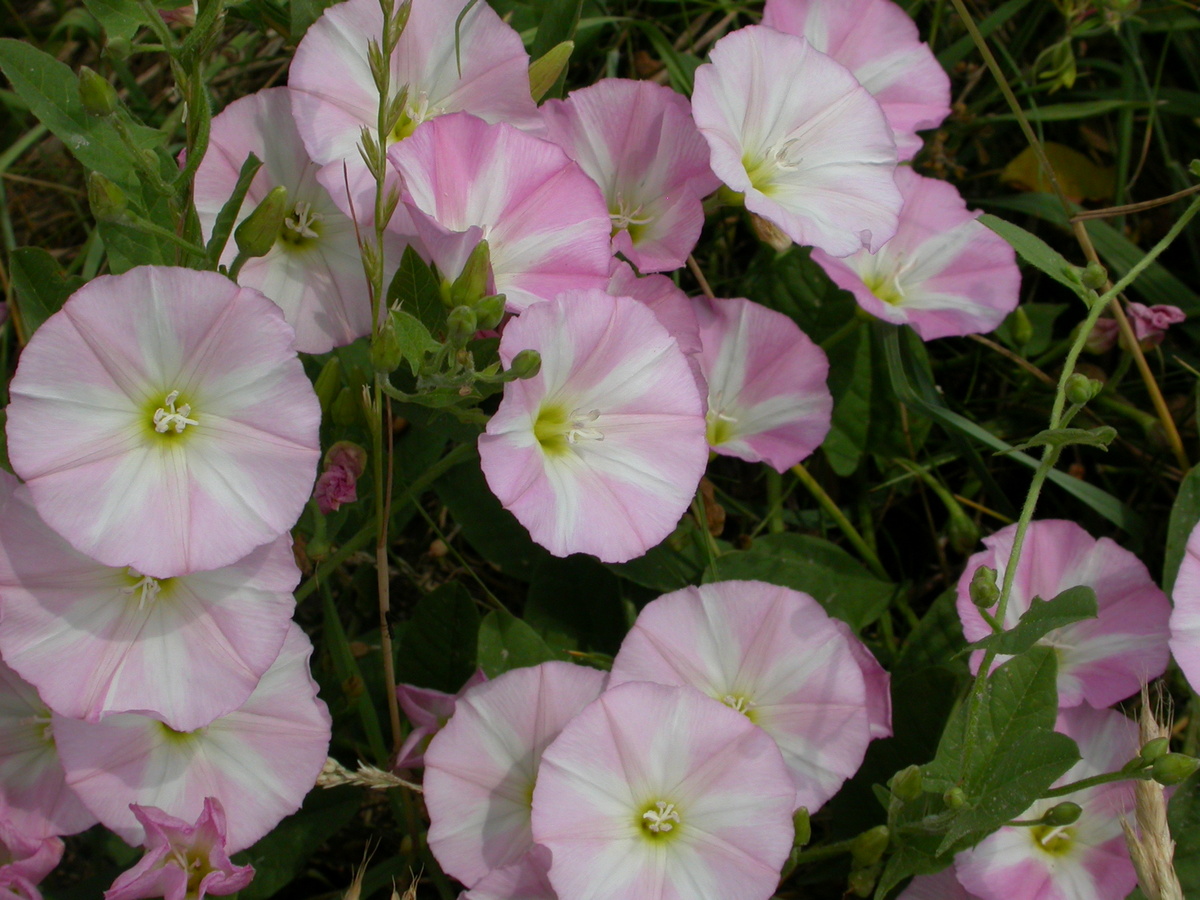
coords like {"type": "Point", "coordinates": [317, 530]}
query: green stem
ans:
{"type": "Point", "coordinates": [831, 509]}
{"type": "Point", "coordinates": [1093, 781]}
{"type": "Point", "coordinates": [823, 852]}
{"type": "Point", "coordinates": [346, 668]}
{"type": "Point", "coordinates": [1141, 265]}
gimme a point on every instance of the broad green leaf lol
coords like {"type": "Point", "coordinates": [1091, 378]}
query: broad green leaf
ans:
{"type": "Point", "coordinates": [834, 578]}
{"type": "Point", "coordinates": [575, 604]}
{"type": "Point", "coordinates": [414, 338]}
{"type": "Point", "coordinates": [1043, 616]}
{"type": "Point", "coordinates": [1183, 815]}
{"type": "Point", "coordinates": [228, 216]}
{"type": "Point", "coordinates": [119, 18]}
{"type": "Point", "coordinates": [1063, 112]}
{"type": "Point", "coordinates": [41, 286]}
{"type": "Point", "coordinates": [675, 563]}
{"type": "Point", "coordinates": [415, 288]}
{"type": "Point", "coordinates": [1035, 251]}
{"type": "Point", "coordinates": [791, 283]}
{"type": "Point", "coordinates": [850, 384]}
{"type": "Point", "coordinates": [548, 69]}
{"type": "Point", "coordinates": [938, 638]}
{"type": "Point", "coordinates": [555, 29]}
{"type": "Point", "coordinates": [436, 648]}
{"type": "Point", "coordinates": [1184, 516]}
{"type": "Point", "coordinates": [505, 642]}
{"type": "Point", "coordinates": [1100, 436]}
{"type": "Point", "coordinates": [303, 14]}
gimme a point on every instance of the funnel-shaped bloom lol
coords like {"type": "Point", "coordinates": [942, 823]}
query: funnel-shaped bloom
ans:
{"type": "Point", "coordinates": [334, 94]}
{"type": "Point", "coordinates": [658, 792]}
{"type": "Point", "coordinates": [767, 397]}
{"type": "Point", "coordinates": [602, 450]}
{"type": "Point", "coordinates": [162, 421]}
{"type": "Point", "coordinates": [770, 653]}
{"type": "Point", "coordinates": [313, 272]}
{"type": "Point", "coordinates": [33, 789]}
{"type": "Point", "coordinates": [526, 879]}
{"type": "Point", "coordinates": [545, 221]}
{"type": "Point", "coordinates": [259, 760]}
{"type": "Point", "coordinates": [637, 140]}
{"type": "Point", "coordinates": [182, 861]}
{"type": "Point", "coordinates": [24, 860]}
{"type": "Point", "coordinates": [1101, 660]}
{"type": "Point", "coordinates": [879, 43]}
{"type": "Point", "coordinates": [1185, 617]}
{"type": "Point", "coordinates": [1086, 860]}
{"type": "Point", "coordinates": [481, 768]}
{"type": "Point", "coordinates": [94, 639]}
{"type": "Point", "coordinates": [816, 162]}
{"type": "Point", "coordinates": [943, 273]}
{"type": "Point", "coordinates": [942, 886]}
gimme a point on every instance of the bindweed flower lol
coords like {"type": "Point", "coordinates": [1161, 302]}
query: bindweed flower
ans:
{"type": "Point", "coordinates": [182, 862]}
{"type": "Point", "coordinates": [481, 768]}
{"type": "Point", "coordinates": [817, 163]}
{"type": "Point", "coordinates": [659, 792]}
{"type": "Point", "coordinates": [602, 450]}
{"type": "Point", "coordinates": [1083, 860]}
{"type": "Point", "coordinates": [259, 760]}
{"type": "Point", "coordinates": [334, 94]}
{"type": "Point", "coordinates": [879, 43]}
{"type": "Point", "coordinates": [526, 879]}
{"type": "Point", "coordinates": [312, 270]}
{"type": "Point", "coordinates": [429, 711]}
{"type": "Point", "coordinates": [1150, 324]}
{"type": "Point", "coordinates": [34, 795]}
{"type": "Point", "coordinates": [338, 484]}
{"type": "Point", "coordinates": [1101, 660]}
{"type": "Point", "coordinates": [545, 221]}
{"type": "Point", "coordinates": [767, 398]}
{"type": "Point", "coordinates": [772, 654]}
{"type": "Point", "coordinates": [24, 860]}
{"type": "Point", "coordinates": [943, 273]}
{"type": "Point", "coordinates": [94, 639]}
{"type": "Point", "coordinates": [162, 421]}
{"type": "Point", "coordinates": [1185, 617]}
{"type": "Point", "coordinates": [942, 886]}
{"type": "Point", "coordinates": [637, 140]}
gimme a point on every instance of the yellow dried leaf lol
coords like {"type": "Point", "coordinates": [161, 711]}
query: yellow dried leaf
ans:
{"type": "Point", "coordinates": [1081, 179]}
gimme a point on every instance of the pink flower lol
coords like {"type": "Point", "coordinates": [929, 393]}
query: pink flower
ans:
{"type": "Point", "coordinates": [429, 711]}
{"type": "Point", "coordinates": [1150, 324]}
{"type": "Point", "coordinates": [817, 163]}
{"type": "Point", "coordinates": [659, 792]}
{"type": "Point", "coordinates": [602, 450]}
{"type": "Point", "coordinates": [943, 273]}
{"type": "Point", "coordinates": [162, 421]}
{"type": "Point", "coordinates": [545, 222]}
{"type": "Point", "coordinates": [1185, 617]}
{"type": "Point", "coordinates": [334, 95]}
{"type": "Point", "coordinates": [942, 886]}
{"type": "Point", "coordinates": [879, 43]}
{"type": "Point", "coordinates": [24, 859]}
{"type": "Point", "coordinates": [1101, 660]}
{"type": "Point", "coordinates": [258, 761]}
{"type": "Point", "coordinates": [344, 464]}
{"type": "Point", "coordinates": [767, 398]}
{"type": "Point", "coordinates": [772, 654]}
{"type": "Point", "coordinates": [526, 879]}
{"type": "Point", "coordinates": [182, 862]}
{"type": "Point", "coordinates": [313, 272]}
{"type": "Point", "coordinates": [481, 768]}
{"type": "Point", "coordinates": [636, 139]}
{"type": "Point", "coordinates": [95, 639]}
{"type": "Point", "coordinates": [1083, 861]}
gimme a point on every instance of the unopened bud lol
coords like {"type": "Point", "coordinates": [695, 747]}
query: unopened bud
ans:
{"type": "Point", "coordinates": [803, 827]}
{"type": "Point", "coordinates": [328, 382]}
{"type": "Point", "coordinates": [961, 531]}
{"type": "Point", "coordinates": [1094, 276]}
{"type": "Point", "coordinates": [489, 311]}
{"type": "Point", "coordinates": [770, 233]}
{"type": "Point", "coordinates": [1172, 768]}
{"type": "Point", "coordinates": [386, 353]}
{"type": "Point", "coordinates": [984, 590]}
{"type": "Point", "coordinates": [461, 325]}
{"type": "Point", "coordinates": [1020, 327]}
{"type": "Point", "coordinates": [1065, 813]}
{"type": "Point", "coordinates": [1155, 749]}
{"type": "Point", "coordinates": [117, 48]}
{"type": "Point", "coordinates": [545, 71]}
{"type": "Point", "coordinates": [955, 798]}
{"type": "Point", "coordinates": [257, 233]}
{"type": "Point", "coordinates": [471, 284]}
{"type": "Point", "coordinates": [861, 882]}
{"type": "Point", "coordinates": [347, 408]}
{"type": "Point", "coordinates": [908, 784]}
{"type": "Point", "coordinates": [98, 96]}
{"type": "Point", "coordinates": [1081, 389]}
{"type": "Point", "coordinates": [868, 847]}
{"type": "Point", "coordinates": [106, 199]}
{"type": "Point", "coordinates": [526, 364]}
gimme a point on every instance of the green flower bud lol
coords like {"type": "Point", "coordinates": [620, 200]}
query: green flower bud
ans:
{"type": "Point", "coordinates": [955, 798]}
{"type": "Point", "coordinates": [117, 48]}
{"type": "Point", "coordinates": [1094, 276]}
{"type": "Point", "coordinates": [1065, 813]}
{"type": "Point", "coordinates": [526, 364]}
{"type": "Point", "coordinates": [1020, 327]}
{"type": "Point", "coordinates": [105, 198]}
{"type": "Point", "coordinates": [471, 284]}
{"type": "Point", "coordinates": [461, 325]}
{"type": "Point", "coordinates": [868, 847]}
{"type": "Point", "coordinates": [803, 826]}
{"type": "Point", "coordinates": [908, 784]}
{"type": "Point", "coordinates": [962, 532]}
{"type": "Point", "coordinates": [545, 71]}
{"type": "Point", "coordinates": [861, 882]}
{"type": "Point", "coordinates": [328, 383]}
{"type": "Point", "coordinates": [1155, 749]}
{"type": "Point", "coordinates": [386, 353]}
{"type": "Point", "coordinates": [489, 311]}
{"type": "Point", "coordinates": [1080, 389]}
{"type": "Point", "coordinates": [1172, 768]}
{"type": "Point", "coordinates": [984, 591]}
{"type": "Point", "coordinates": [257, 233]}
{"type": "Point", "coordinates": [98, 96]}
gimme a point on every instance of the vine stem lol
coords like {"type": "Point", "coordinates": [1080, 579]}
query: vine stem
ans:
{"type": "Point", "coordinates": [834, 512]}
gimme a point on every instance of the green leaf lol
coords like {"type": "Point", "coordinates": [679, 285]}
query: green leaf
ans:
{"type": "Point", "coordinates": [41, 286]}
{"type": "Point", "coordinates": [1063, 112]}
{"type": "Point", "coordinates": [416, 289]}
{"type": "Point", "coordinates": [4, 463]}
{"type": "Point", "coordinates": [1101, 437]}
{"type": "Point", "coordinates": [557, 25]}
{"type": "Point", "coordinates": [850, 384]}
{"type": "Point", "coordinates": [965, 45]}
{"type": "Point", "coordinates": [675, 563]}
{"type": "Point", "coordinates": [681, 67]}
{"type": "Point", "coordinates": [119, 18]}
{"type": "Point", "coordinates": [223, 226]}
{"type": "Point", "coordinates": [303, 14]}
{"type": "Point", "coordinates": [1036, 252]}
{"type": "Point", "coordinates": [575, 604]}
{"type": "Point", "coordinates": [1183, 815]}
{"type": "Point", "coordinates": [938, 638]}
{"type": "Point", "coordinates": [505, 642]}
{"type": "Point", "coordinates": [834, 578]}
{"type": "Point", "coordinates": [1184, 516]}
{"type": "Point", "coordinates": [436, 648]}
{"type": "Point", "coordinates": [414, 339]}
{"type": "Point", "coordinates": [1043, 616]}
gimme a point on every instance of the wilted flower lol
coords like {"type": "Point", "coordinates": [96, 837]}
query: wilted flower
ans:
{"type": "Point", "coordinates": [338, 484]}
{"type": "Point", "coordinates": [1150, 324]}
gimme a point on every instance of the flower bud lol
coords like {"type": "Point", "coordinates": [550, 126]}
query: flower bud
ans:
{"type": "Point", "coordinates": [1172, 768]}
{"type": "Point", "coordinates": [1094, 276]}
{"type": "Point", "coordinates": [461, 325]}
{"type": "Point", "coordinates": [869, 846]}
{"type": "Point", "coordinates": [861, 882]}
{"type": "Point", "coordinates": [1020, 327]}
{"type": "Point", "coordinates": [489, 311]}
{"type": "Point", "coordinates": [98, 96]}
{"type": "Point", "coordinates": [328, 382]}
{"type": "Point", "coordinates": [105, 198]}
{"type": "Point", "coordinates": [117, 48]}
{"type": "Point", "coordinates": [1155, 749]}
{"type": "Point", "coordinates": [984, 590]}
{"type": "Point", "coordinates": [257, 233]}
{"type": "Point", "coordinates": [803, 827]}
{"type": "Point", "coordinates": [471, 284]}
{"type": "Point", "coordinates": [545, 71]}
{"type": "Point", "coordinates": [961, 531]}
{"type": "Point", "coordinates": [1080, 389]}
{"type": "Point", "coordinates": [770, 234]}
{"type": "Point", "coordinates": [1065, 813]}
{"type": "Point", "coordinates": [526, 364]}
{"type": "Point", "coordinates": [386, 354]}
{"type": "Point", "coordinates": [955, 798]}
{"type": "Point", "coordinates": [907, 784]}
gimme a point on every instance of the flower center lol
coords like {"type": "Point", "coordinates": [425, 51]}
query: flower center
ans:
{"type": "Point", "coordinates": [167, 418]}
{"type": "Point", "coordinates": [739, 702]}
{"type": "Point", "coordinates": [722, 427]}
{"type": "Point", "coordinates": [144, 586]}
{"type": "Point", "coordinates": [302, 227]}
{"type": "Point", "coordinates": [661, 818]}
{"type": "Point", "coordinates": [1057, 840]}
{"type": "Point", "coordinates": [627, 217]}
{"type": "Point", "coordinates": [417, 109]}
{"type": "Point", "coordinates": [781, 159]}
{"type": "Point", "coordinates": [557, 431]}
{"type": "Point", "coordinates": [886, 277]}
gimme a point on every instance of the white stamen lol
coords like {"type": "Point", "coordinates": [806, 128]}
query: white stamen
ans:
{"type": "Point", "coordinates": [624, 216]}
{"type": "Point", "coordinates": [302, 219]}
{"type": "Point", "coordinates": [1053, 833]}
{"type": "Point", "coordinates": [580, 427]}
{"type": "Point", "coordinates": [715, 403]}
{"type": "Point", "coordinates": [660, 819]}
{"type": "Point", "coordinates": [741, 704]}
{"type": "Point", "coordinates": [146, 587]}
{"type": "Point", "coordinates": [167, 416]}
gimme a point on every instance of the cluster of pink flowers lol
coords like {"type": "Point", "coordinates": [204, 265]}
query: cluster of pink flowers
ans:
{"type": "Point", "coordinates": [728, 707]}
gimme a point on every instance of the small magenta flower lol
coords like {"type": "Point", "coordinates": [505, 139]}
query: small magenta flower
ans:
{"type": "Point", "coordinates": [658, 792]}
{"type": "Point", "coordinates": [602, 450]}
{"type": "Point", "coordinates": [162, 421]}
{"type": "Point", "coordinates": [429, 711]}
{"type": "Point", "coordinates": [338, 484]}
{"type": "Point", "coordinates": [1150, 324]}
{"type": "Point", "coordinates": [182, 862]}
